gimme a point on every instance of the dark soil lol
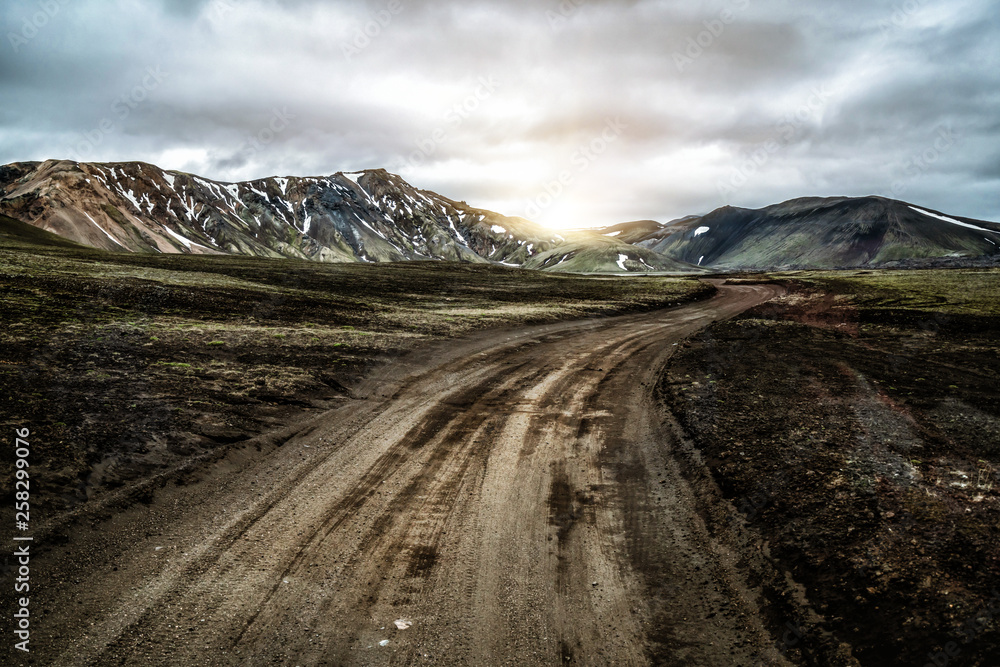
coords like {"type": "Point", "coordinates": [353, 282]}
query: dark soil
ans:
{"type": "Point", "coordinates": [857, 432]}
{"type": "Point", "coordinates": [125, 365]}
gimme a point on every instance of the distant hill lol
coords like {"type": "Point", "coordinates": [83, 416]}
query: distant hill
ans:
{"type": "Point", "coordinates": [595, 253]}
{"type": "Point", "coordinates": [813, 232]}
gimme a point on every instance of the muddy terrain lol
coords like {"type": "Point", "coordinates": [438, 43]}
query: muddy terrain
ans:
{"type": "Point", "coordinates": [260, 462]}
{"type": "Point", "coordinates": [507, 499]}
{"type": "Point", "coordinates": [854, 426]}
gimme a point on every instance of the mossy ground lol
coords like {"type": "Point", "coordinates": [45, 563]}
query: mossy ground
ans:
{"type": "Point", "coordinates": [124, 364]}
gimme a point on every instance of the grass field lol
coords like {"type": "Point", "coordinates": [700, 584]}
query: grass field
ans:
{"type": "Point", "coordinates": [950, 292]}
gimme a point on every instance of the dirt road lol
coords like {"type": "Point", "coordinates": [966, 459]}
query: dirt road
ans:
{"type": "Point", "coordinates": [511, 498]}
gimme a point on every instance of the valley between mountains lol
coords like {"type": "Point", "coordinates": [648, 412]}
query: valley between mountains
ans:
{"type": "Point", "coordinates": [341, 421]}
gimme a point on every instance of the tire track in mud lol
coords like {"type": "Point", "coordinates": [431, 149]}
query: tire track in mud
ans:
{"type": "Point", "coordinates": [465, 449]}
{"type": "Point", "coordinates": [507, 502]}
{"type": "Point", "coordinates": [452, 435]}
{"type": "Point", "coordinates": [559, 501]}
{"type": "Point", "coordinates": [163, 589]}
{"type": "Point", "coordinates": [209, 591]}
{"type": "Point", "coordinates": [441, 422]}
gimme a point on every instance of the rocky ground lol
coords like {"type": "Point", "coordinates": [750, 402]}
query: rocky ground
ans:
{"type": "Point", "coordinates": [854, 425]}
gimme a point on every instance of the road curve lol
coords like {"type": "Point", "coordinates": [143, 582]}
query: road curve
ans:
{"type": "Point", "coordinates": [512, 499]}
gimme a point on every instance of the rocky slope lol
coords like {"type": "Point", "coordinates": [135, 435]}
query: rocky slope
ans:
{"type": "Point", "coordinates": [813, 232]}
{"type": "Point", "coordinates": [367, 216]}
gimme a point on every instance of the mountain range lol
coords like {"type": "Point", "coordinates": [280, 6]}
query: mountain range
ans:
{"type": "Point", "coordinates": [375, 216]}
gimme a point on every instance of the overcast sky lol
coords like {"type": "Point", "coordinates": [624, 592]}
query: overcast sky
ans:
{"type": "Point", "coordinates": [578, 113]}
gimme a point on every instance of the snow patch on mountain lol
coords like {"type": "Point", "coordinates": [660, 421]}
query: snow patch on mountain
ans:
{"type": "Point", "coordinates": [103, 230]}
{"type": "Point", "coordinates": [131, 197]}
{"type": "Point", "coordinates": [183, 239]}
{"type": "Point", "coordinates": [458, 235]}
{"type": "Point", "coordinates": [953, 221]}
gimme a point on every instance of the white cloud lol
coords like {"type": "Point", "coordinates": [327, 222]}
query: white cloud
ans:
{"type": "Point", "coordinates": [893, 81]}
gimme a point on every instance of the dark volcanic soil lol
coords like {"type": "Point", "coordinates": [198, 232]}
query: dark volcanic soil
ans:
{"type": "Point", "coordinates": [124, 366]}
{"type": "Point", "coordinates": [511, 498]}
{"type": "Point", "coordinates": [859, 436]}
{"type": "Point", "coordinates": [814, 482]}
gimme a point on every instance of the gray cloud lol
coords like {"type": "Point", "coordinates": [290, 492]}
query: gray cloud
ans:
{"type": "Point", "coordinates": [503, 103]}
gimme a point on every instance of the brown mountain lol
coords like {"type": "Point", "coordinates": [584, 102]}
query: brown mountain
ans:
{"type": "Point", "coordinates": [367, 216]}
